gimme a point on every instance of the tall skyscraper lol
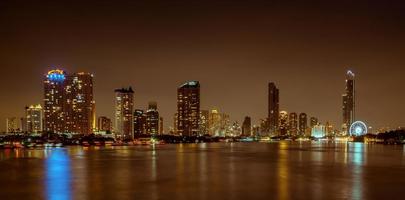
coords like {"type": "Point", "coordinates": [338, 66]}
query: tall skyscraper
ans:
{"type": "Point", "coordinates": [293, 124]}
{"type": "Point", "coordinates": [247, 127]}
{"type": "Point", "coordinates": [303, 123]}
{"type": "Point", "coordinates": [33, 115]}
{"type": "Point", "coordinates": [188, 108]}
{"type": "Point", "coordinates": [79, 103]}
{"type": "Point", "coordinates": [124, 105]}
{"type": "Point", "coordinates": [54, 100]}
{"type": "Point", "coordinates": [152, 119]}
{"type": "Point", "coordinates": [139, 122]}
{"type": "Point", "coordinates": [273, 109]}
{"type": "Point", "coordinates": [313, 121]}
{"type": "Point", "coordinates": [204, 122]}
{"type": "Point", "coordinates": [349, 109]}
{"type": "Point", "coordinates": [104, 124]}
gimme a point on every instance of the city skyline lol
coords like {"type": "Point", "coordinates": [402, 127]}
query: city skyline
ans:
{"type": "Point", "coordinates": [234, 52]}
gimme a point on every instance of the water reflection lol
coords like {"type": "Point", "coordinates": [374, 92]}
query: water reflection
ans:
{"type": "Point", "coordinates": [282, 170]}
{"type": "Point", "coordinates": [357, 159]}
{"type": "Point", "coordinates": [58, 175]}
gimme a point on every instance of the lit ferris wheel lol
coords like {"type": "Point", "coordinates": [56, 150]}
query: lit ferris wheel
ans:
{"type": "Point", "coordinates": [358, 128]}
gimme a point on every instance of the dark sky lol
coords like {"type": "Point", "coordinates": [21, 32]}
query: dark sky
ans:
{"type": "Point", "coordinates": [233, 49]}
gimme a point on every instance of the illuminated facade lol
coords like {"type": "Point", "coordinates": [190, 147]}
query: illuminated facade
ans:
{"type": "Point", "coordinates": [293, 124]}
{"type": "Point", "coordinates": [79, 109]}
{"type": "Point", "coordinates": [204, 122]}
{"type": "Point", "coordinates": [313, 122]}
{"type": "Point", "coordinates": [161, 128]}
{"type": "Point", "coordinates": [139, 122]}
{"type": "Point", "coordinates": [273, 109]}
{"type": "Point", "coordinates": [54, 100]}
{"type": "Point", "coordinates": [188, 108]}
{"type": "Point", "coordinates": [349, 101]}
{"type": "Point", "coordinates": [283, 125]}
{"type": "Point", "coordinates": [12, 125]}
{"type": "Point", "coordinates": [318, 131]}
{"type": "Point", "coordinates": [303, 123]}
{"type": "Point", "coordinates": [152, 119]}
{"type": "Point", "coordinates": [247, 127]}
{"type": "Point", "coordinates": [104, 124]}
{"type": "Point", "coordinates": [219, 123]}
{"type": "Point", "coordinates": [124, 103]}
{"type": "Point", "coordinates": [34, 119]}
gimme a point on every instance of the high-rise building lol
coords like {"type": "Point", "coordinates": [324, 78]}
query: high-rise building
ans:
{"type": "Point", "coordinates": [293, 124]}
{"type": "Point", "coordinates": [303, 123]}
{"type": "Point", "coordinates": [318, 131]}
{"type": "Point", "coordinates": [204, 122]}
{"type": "Point", "coordinates": [152, 119]}
{"type": "Point", "coordinates": [247, 127]}
{"type": "Point", "coordinates": [219, 123]}
{"type": "Point", "coordinates": [139, 122]}
{"type": "Point", "coordinates": [273, 108]}
{"type": "Point", "coordinates": [349, 109]}
{"type": "Point", "coordinates": [161, 126]}
{"type": "Point", "coordinates": [188, 108]}
{"type": "Point", "coordinates": [283, 125]}
{"type": "Point", "coordinates": [12, 125]}
{"type": "Point", "coordinates": [79, 103]}
{"type": "Point", "coordinates": [104, 124]}
{"type": "Point", "coordinates": [124, 104]}
{"type": "Point", "coordinates": [33, 115]}
{"type": "Point", "coordinates": [54, 100]}
{"type": "Point", "coordinates": [313, 122]}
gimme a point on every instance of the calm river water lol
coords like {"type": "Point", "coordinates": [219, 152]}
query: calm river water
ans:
{"type": "Point", "coordinates": [284, 170]}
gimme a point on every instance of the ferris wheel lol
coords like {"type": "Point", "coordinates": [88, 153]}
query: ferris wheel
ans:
{"type": "Point", "coordinates": [358, 128]}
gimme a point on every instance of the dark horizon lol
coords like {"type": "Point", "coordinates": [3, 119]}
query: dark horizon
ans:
{"type": "Point", "coordinates": [233, 49]}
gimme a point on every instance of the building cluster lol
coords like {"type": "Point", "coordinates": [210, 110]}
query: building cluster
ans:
{"type": "Point", "coordinates": [69, 107]}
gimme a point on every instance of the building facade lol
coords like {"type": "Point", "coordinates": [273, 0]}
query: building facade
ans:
{"type": "Point", "coordinates": [303, 123]}
{"type": "Point", "coordinates": [54, 99]}
{"type": "Point", "coordinates": [104, 124]}
{"type": "Point", "coordinates": [273, 108]}
{"type": "Point", "coordinates": [124, 104]}
{"type": "Point", "coordinates": [188, 108]}
{"type": "Point", "coordinates": [34, 118]}
{"type": "Point", "coordinates": [247, 127]}
{"type": "Point", "coordinates": [152, 119]}
{"type": "Point", "coordinates": [349, 101]}
{"type": "Point", "coordinates": [139, 122]}
{"type": "Point", "coordinates": [293, 124]}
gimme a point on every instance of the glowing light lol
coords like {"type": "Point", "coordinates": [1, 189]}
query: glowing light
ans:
{"type": "Point", "coordinates": [56, 75]}
{"type": "Point", "coordinates": [58, 179]}
{"type": "Point", "coordinates": [358, 128]}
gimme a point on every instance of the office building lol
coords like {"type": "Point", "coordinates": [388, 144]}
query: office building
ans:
{"type": "Point", "coordinates": [152, 119]}
{"type": "Point", "coordinates": [273, 108]}
{"type": "Point", "coordinates": [188, 108]}
{"type": "Point", "coordinates": [124, 103]}
{"type": "Point", "coordinates": [303, 123]}
{"type": "Point", "coordinates": [33, 118]}
{"type": "Point", "coordinates": [349, 109]}
{"type": "Point", "coordinates": [104, 124]}
{"type": "Point", "coordinates": [247, 127]}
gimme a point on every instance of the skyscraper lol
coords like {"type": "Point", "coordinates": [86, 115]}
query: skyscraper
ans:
{"type": "Point", "coordinates": [161, 126]}
{"type": "Point", "coordinates": [303, 123]}
{"type": "Point", "coordinates": [247, 127]}
{"type": "Point", "coordinates": [79, 103]}
{"type": "Point", "coordinates": [273, 108]}
{"type": "Point", "coordinates": [283, 125]}
{"type": "Point", "coordinates": [139, 122]}
{"type": "Point", "coordinates": [124, 103]}
{"type": "Point", "coordinates": [54, 101]}
{"type": "Point", "coordinates": [204, 122]}
{"type": "Point", "coordinates": [349, 101]}
{"type": "Point", "coordinates": [33, 115]}
{"type": "Point", "coordinates": [11, 125]}
{"type": "Point", "coordinates": [293, 124]}
{"type": "Point", "coordinates": [313, 121]}
{"type": "Point", "coordinates": [152, 119]}
{"type": "Point", "coordinates": [188, 108]}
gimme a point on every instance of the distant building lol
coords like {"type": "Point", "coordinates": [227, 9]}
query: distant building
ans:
{"type": "Point", "coordinates": [161, 125]}
{"type": "Point", "coordinates": [139, 122]}
{"type": "Point", "coordinates": [188, 108]}
{"type": "Point", "coordinates": [273, 108]}
{"type": "Point", "coordinates": [313, 122]}
{"type": "Point", "coordinates": [12, 125]}
{"type": "Point", "coordinates": [219, 123]}
{"type": "Point", "coordinates": [349, 109]}
{"type": "Point", "coordinates": [283, 125]}
{"type": "Point", "coordinates": [34, 118]}
{"type": "Point", "coordinates": [293, 124]}
{"type": "Point", "coordinates": [204, 122]}
{"type": "Point", "coordinates": [318, 131]}
{"type": "Point", "coordinates": [303, 123]}
{"type": "Point", "coordinates": [235, 130]}
{"type": "Point", "coordinates": [124, 103]}
{"type": "Point", "coordinates": [247, 127]}
{"type": "Point", "coordinates": [152, 119]}
{"type": "Point", "coordinates": [104, 124]}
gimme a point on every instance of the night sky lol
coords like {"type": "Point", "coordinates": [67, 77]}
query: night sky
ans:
{"type": "Point", "coordinates": [233, 49]}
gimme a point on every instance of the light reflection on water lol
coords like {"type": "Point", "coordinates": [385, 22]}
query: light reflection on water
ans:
{"type": "Point", "coordinates": [58, 177]}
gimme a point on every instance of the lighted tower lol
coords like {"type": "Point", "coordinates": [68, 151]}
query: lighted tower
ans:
{"type": "Point", "coordinates": [273, 109]}
{"type": "Point", "coordinates": [303, 123]}
{"type": "Point", "coordinates": [34, 118]}
{"type": "Point", "coordinates": [152, 119]}
{"type": "Point", "coordinates": [54, 83]}
{"type": "Point", "coordinates": [123, 113]}
{"type": "Point", "coordinates": [188, 108]}
{"type": "Point", "coordinates": [349, 101]}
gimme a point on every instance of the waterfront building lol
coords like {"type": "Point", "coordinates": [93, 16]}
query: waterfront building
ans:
{"type": "Point", "coordinates": [219, 123]}
{"type": "Point", "coordinates": [247, 127]}
{"type": "Point", "coordinates": [54, 99]}
{"type": "Point", "coordinates": [12, 125]}
{"type": "Point", "coordinates": [104, 124]}
{"type": "Point", "coordinates": [318, 131]}
{"type": "Point", "coordinates": [33, 118]}
{"type": "Point", "coordinates": [273, 108]}
{"type": "Point", "coordinates": [293, 124]}
{"type": "Point", "coordinates": [204, 122]}
{"type": "Point", "coordinates": [303, 123]}
{"type": "Point", "coordinates": [283, 125]}
{"type": "Point", "coordinates": [139, 122]}
{"type": "Point", "coordinates": [161, 128]}
{"type": "Point", "coordinates": [188, 108]}
{"type": "Point", "coordinates": [152, 119]}
{"type": "Point", "coordinates": [123, 113]}
{"type": "Point", "coordinates": [349, 101]}
{"type": "Point", "coordinates": [313, 122]}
